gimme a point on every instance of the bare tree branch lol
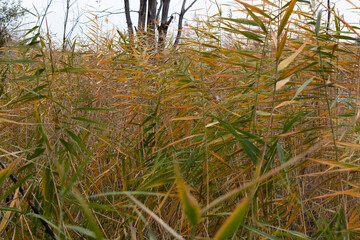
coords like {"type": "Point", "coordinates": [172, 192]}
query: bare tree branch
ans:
{"type": "Point", "coordinates": [45, 12]}
{"type": "Point", "coordinates": [181, 18]}
{"type": "Point", "coordinates": [65, 23]}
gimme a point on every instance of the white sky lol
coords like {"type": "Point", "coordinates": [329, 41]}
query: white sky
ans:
{"type": "Point", "coordinates": [56, 13]}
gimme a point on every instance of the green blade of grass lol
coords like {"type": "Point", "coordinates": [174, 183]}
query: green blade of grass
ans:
{"type": "Point", "coordinates": [189, 204]}
{"type": "Point", "coordinates": [266, 235]}
{"type": "Point", "coordinates": [232, 223]}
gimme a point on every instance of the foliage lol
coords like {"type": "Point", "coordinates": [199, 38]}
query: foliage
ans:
{"type": "Point", "coordinates": [10, 12]}
{"type": "Point", "coordinates": [235, 133]}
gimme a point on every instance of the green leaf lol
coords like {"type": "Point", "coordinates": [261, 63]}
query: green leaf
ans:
{"type": "Point", "coordinates": [48, 190]}
{"type": "Point", "coordinates": [82, 230]}
{"type": "Point", "coordinates": [251, 35]}
{"type": "Point", "coordinates": [262, 113]}
{"type": "Point", "coordinates": [286, 16]}
{"type": "Point", "coordinates": [10, 209]}
{"type": "Point", "coordinates": [15, 186]}
{"type": "Point", "coordinates": [318, 23]}
{"type": "Point", "coordinates": [45, 220]}
{"type": "Point", "coordinates": [338, 36]}
{"type": "Point", "coordinates": [74, 177]}
{"type": "Point", "coordinates": [250, 149]}
{"type": "Point", "coordinates": [87, 120]}
{"type": "Point", "coordinates": [234, 221]}
{"type": "Point", "coordinates": [78, 140]}
{"type": "Point", "coordinates": [68, 147]}
{"type": "Point", "coordinates": [255, 9]}
{"type": "Point", "coordinates": [268, 236]}
{"type": "Point", "coordinates": [37, 153]}
{"type": "Point", "coordinates": [293, 233]}
{"type": "Point", "coordinates": [151, 235]}
{"type": "Point", "coordinates": [281, 153]}
{"type": "Point", "coordinates": [257, 20]}
{"type": "Point", "coordinates": [18, 61]}
{"type": "Point", "coordinates": [247, 34]}
{"type": "Point", "coordinates": [89, 216]}
{"type": "Point", "coordinates": [242, 21]}
{"type": "Point", "coordinates": [189, 204]}
{"type": "Point", "coordinates": [291, 120]}
{"type": "Point", "coordinates": [281, 45]}
{"type": "Point", "coordinates": [303, 86]}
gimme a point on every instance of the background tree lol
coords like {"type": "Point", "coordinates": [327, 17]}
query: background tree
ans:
{"type": "Point", "coordinates": [70, 5]}
{"type": "Point", "coordinates": [150, 24]}
{"type": "Point", "coordinates": [10, 12]}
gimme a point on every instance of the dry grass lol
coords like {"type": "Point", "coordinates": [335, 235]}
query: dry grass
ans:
{"type": "Point", "coordinates": [228, 135]}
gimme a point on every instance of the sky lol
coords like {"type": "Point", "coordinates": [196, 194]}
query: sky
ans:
{"type": "Point", "coordinates": [112, 12]}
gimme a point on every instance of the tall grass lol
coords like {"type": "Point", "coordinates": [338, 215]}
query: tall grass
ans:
{"type": "Point", "coordinates": [249, 130]}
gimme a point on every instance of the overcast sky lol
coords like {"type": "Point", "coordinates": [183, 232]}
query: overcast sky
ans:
{"type": "Point", "coordinates": [83, 8]}
{"type": "Point", "coordinates": [110, 10]}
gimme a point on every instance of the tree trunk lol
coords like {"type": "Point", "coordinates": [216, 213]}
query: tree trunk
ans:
{"type": "Point", "coordinates": [151, 22]}
{"type": "Point", "coordinates": [128, 18]}
{"type": "Point", "coordinates": [142, 16]}
{"type": "Point", "coordinates": [163, 28]}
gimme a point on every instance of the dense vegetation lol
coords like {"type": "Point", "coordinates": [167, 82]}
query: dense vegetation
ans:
{"type": "Point", "coordinates": [248, 129]}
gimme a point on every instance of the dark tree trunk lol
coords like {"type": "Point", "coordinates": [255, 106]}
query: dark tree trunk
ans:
{"type": "Point", "coordinates": [151, 21]}
{"type": "Point", "coordinates": [142, 16]}
{"type": "Point", "coordinates": [128, 18]}
{"type": "Point", "coordinates": [163, 28]}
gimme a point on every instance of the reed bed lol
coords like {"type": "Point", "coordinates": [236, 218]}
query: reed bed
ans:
{"type": "Point", "coordinates": [248, 129]}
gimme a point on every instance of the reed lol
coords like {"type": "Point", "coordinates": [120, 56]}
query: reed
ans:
{"type": "Point", "coordinates": [248, 129]}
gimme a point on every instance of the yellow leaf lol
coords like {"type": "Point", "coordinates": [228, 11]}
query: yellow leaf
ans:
{"type": "Point", "coordinates": [10, 121]}
{"type": "Point", "coordinates": [350, 192]}
{"type": "Point", "coordinates": [220, 159]}
{"type": "Point", "coordinates": [289, 60]}
{"type": "Point", "coordinates": [211, 124]}
{"type": "Point", "coordinates": [7, 171]}
{"type": "Point", "coordinates": [282, 83]}
{"type": "Point", "coordinates": [185, 118]}
{"type": "Point", "coordinates": [15, 202]}
{"type": "Point", "coordinates": [343, 165]}
{"type": "Point", "coordinates": [221, 139]}
{"type": "Point", "coordinates": [273, 37]}
{"type": "Point", "coordinates": [351, 145]}
{"type": "Point", "coordinates": [284, 104]}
